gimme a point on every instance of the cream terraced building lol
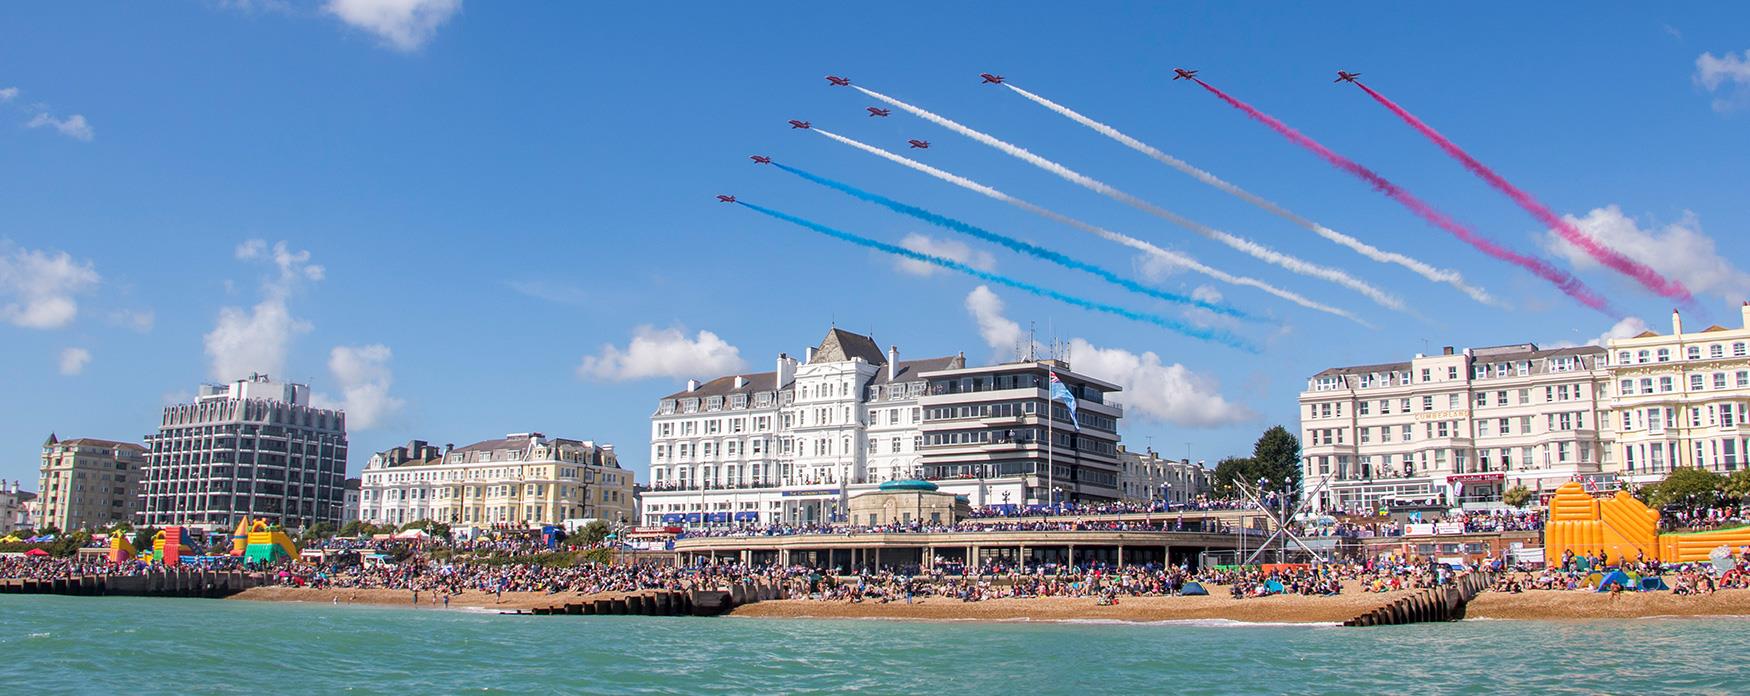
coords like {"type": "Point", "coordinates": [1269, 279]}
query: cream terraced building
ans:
{"type": "Point", "coordinates": [1454, 429]}
{"type": "Point", "coordinates": [523, 480]}
{"type": "Point", "coordinates": [1681, 399]}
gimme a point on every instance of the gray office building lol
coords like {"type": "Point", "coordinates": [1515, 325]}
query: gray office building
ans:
{"type": "Point", "coordinates": [252, 448]}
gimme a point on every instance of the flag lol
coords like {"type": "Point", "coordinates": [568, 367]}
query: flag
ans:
{"type": "Point", "coordinates": [1061, 393]}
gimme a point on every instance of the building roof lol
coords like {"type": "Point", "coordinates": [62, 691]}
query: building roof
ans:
{"type": "Point", "coordinates": [908, 485]}
{"type": "Point", "coordinates": [1715, 327]}
{"type": "Point", "coordinates": [841, 345]}
{"type": "Point", "coordinates": [96, 442]}
{"type": "Point", "coordinates": [725, 385]}
{"type": "Point", "coordinates": [1363, 369]}
{"type": "Point", "coordinates": [912, 370]}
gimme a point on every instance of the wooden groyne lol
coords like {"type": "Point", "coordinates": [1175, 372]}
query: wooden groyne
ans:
{"type": "Point", "coordinates": [1444, 603]}
{"type": "Point", "coordinates": [666, 602]}
{"type": "Point", "coordinates": [167, 582]}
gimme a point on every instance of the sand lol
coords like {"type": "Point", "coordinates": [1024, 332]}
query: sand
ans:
{"type": "Point", "coordinates": [1534, 604]}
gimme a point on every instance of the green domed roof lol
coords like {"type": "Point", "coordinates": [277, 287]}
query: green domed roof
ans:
{"type": "Point", "coordinates": [911, 485]}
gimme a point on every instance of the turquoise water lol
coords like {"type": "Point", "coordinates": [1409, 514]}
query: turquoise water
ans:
{"type": "Point", "coordinates": [125, 645]}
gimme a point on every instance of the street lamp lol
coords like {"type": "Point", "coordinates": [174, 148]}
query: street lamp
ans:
{"type": "Point", "coordinates": [1057, 498]}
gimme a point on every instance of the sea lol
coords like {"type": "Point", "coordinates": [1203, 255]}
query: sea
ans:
{"type": "Point", "coordinates": [109, 645]}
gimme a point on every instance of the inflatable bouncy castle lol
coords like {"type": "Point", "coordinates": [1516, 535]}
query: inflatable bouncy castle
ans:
{"type": "Point", "coordinates": [1624, 528]}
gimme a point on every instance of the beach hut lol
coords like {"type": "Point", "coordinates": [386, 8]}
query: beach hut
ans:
{"type": "Point", "coordinates": [1193, 589]}
{"type": "Point", "coordinates": [1615, 578]}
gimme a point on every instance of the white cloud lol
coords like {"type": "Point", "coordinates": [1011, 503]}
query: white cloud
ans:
{"type": "Point", "coordinates": [37, 288]}
{"type": "Point", "coordinates": [140, 320]}
{"type": "Point", "coordinates": [1205, 293]}
{"type": "Point", "coordinates": [7, 94]}
{"type": "Point", "coordinates": [1731, 71]}
{"type": "Point", "coordinates": [1001, 333]}
{"type": "Point", "coordinates": [74, 126]}
{"type": "Point", "coordinates": [364, 378]}
{"type": "Point", "coordinates": [945, 248]}
{"type": "Point", "coordinates": [1680, 250]}
{"type": "Point", "coordinates": [73, 360]}
{"type": "Point", "coordinates": [1627, 327]}
{"type": "Point", "coordinates": [1156, 267]}
{"type": "Point", "coordinates": [257, 339]}
{"type": "Point", "coordinates": [402, 24]}
{"type": "Point", "coordinates": [663, 353]}
{"type": "Point", "coordinates": [1153, 390]}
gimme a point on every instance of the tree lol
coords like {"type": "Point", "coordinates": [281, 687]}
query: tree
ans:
{"type": "Point", "coordinates": [143, 538]}
{"type": "Point", "coordinates": [1516, 496]}
{"type": "Point", "coordinates": [318, 531]}
{"type": "Point", "coordinates": [1276, 457]}
{"type": "Point", "coordinates": [1737, 486]}
{"type": "Point", "coordinates": [1228, 471]}
{"type": "Point", "coordinates": [1688, 487]}
{"type": "Point", "coordinates": [436, 529]}
{"type": "Point", "coordinates": [592, 533]}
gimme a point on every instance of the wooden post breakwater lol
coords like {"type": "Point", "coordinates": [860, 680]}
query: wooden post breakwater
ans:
{"type": "Point", "coordinates": [159, 582]}
{"type": "Point", "coordinates": [1444, 603]}
{"type": "Point", "coordinates": [666, 602]}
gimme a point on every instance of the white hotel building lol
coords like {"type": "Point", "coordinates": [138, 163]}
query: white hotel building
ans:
{"type": "Point", "coordinates": [1454, 429]}
{"type": "Point", "coordinates": [1681, 399]}
{"type": "Point", "coordinates": [794, 444]}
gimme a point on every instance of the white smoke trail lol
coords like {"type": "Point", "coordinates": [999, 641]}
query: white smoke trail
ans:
{"type": "Point", "coordinates": [1240, 243]}
{"type": "Point", "coordinates": [1438, 275]}
{"type": "Point", "coordinates": [1171, 257]}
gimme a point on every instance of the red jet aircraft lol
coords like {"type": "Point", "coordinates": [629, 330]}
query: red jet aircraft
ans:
{"type": "Point", "coordinates": [726, 199]}
{"type": "Point", "coordinates": [838, 81]}
{"type": "Point", "coordinates": [800, 124]}
{"type": "Point", "coordinates": [1346, 76]}
{"type": "Point", "coordinates": [873, 111]}
{"type": "Point", "coordinates": [920, 144]}
{"type": "Point", "coordinates": [1184, 74]}
{"type": "Point", "coordinates": [991, 79]}
{"type": "Point", "coordinates": [761, 159]}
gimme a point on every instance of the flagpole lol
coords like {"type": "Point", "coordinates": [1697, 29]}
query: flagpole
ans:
{"type": "Point", "coordinates": [1050, 470]}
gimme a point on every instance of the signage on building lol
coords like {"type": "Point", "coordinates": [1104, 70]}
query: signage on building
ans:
{"type": "Point", "coordinates": [1449, 528]}
{"type": "Point", "coordinates": [817, 491]}
{"type": "Point", "coordinates": [1476, 478]}
{"type": "Point", "coordinates": [1442, 415]}
{"type": "Point", "coordinates": [1418, 529]}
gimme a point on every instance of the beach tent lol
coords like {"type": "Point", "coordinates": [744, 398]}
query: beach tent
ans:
{"type": "Point", "coordinates": [1651, 584]}
{"type": "Point", "coordinates": [1273, 586]}
{"type": "Point", "coordinates": [1615, 577]}
{"type": "Point", "coordinates": [1193, 589]}
{"type": "Point", "coordinates": [36, 552]}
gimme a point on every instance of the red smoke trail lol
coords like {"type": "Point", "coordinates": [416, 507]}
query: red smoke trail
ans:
{"type": "Point", "coordinates": [1569, 284]}
{"type": "Point", "coordinates": [1609, 257]}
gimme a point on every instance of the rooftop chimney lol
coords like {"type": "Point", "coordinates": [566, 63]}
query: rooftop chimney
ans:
{"type": "Point", "coordinates": [740, 381]}
{"type": "Point", "coordinates": [1446, 350]}
{"type": "Point", "coordinates": [808, 357]}
{"type": "Point", "coordinates": [692, 385]}
{"type": "Point", "coordinates": [1676, 323]}
{"type": "Point", "coordinates": [786, 371]}
{"type": "Point", "coordinates": [1745, 312]}
{"type": "Point", "coordinates": [892, 363]}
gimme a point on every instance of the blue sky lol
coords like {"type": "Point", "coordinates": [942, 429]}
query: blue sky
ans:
{"type": "Point", "coordinates": [488, 194]}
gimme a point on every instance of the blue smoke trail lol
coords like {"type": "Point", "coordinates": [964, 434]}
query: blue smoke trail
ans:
{"type": "Point", "coordinates": [1012, 243]}
{"type": "Point", "coordinates": [1221, 337]}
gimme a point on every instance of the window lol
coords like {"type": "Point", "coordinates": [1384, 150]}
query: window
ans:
{"type": "Point", "coordinates": [1743, 378]}
{"type": "Point", "coordinates": [1627, 387]}
{"type": "Point", "coordinates": [1738, 350]}
{"type": "Point", "coordinates": [1425, 376]}
{"type": "Point", "coordinates": [1716, 351]}
{"type": "Point", "coordinates": [1427, 403]}
{"type": "Point", "coordinates": [1622, 358]}
{"type": "Point", "coordinates": [1643, 356]}
{"type": "Point", "coordinates": [1452, 372]}
{"type": "Point", "coordinates": [1695, 382]}
{"type": "Point", "coordinates": [1524, 397]}
{"type": "Point", "coordinates": [1406, 432]}
{"type": "Point", "coordinates": [1361, 408]}
{"type": "Point", "coordinates": [1482, 399]}
{"type": "Point", "coordinates": [1482, 428]}
{"type": "Point", "coordinates": [1664, 355]}
{"type": "Point", "coordinates": [1694, 352]}
{"type": "Point", "coordinates": [1501, 397]}
{"type": "Point", "coordinates": [1506, 426]}
{"type": "Point", "coordinates": [1719, 380]}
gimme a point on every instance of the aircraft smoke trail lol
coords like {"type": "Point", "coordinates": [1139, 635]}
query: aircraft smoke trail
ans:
{"type": "Point", "coordinates": [1438, 275]}
{"type": "Point", "coordinates": [1221, 337]}
{"type": "Point", "coordinates": [1240, 243]}
{"type": "Point", "coordinates": [1171, 257]}
{"type": "Point", "coordinates": [1543, 269]}
{"type": "Point", "coordinates": [1642, 273]}
{"type": "Point", "coordinates": [1011, 243]}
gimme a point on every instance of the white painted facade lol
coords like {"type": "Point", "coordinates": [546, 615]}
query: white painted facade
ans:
{"type": "Point", "coordinates": [1680, 399]}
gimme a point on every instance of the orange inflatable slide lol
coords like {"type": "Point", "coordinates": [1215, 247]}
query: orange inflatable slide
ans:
{"type": "Point", "coordinates": [1624, 528]}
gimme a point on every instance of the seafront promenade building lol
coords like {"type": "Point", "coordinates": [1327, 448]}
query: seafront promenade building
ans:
{"type": "Point", "coordinates": [88, 483]}
{"type": "Point", "coordinates": [521, 480]}
{"type": "Point", "coordinates": [16, 507]}
{"type": "Point", "coordinates": [794, 445]}
{"type": "Point", "coordinates": [1454, 429]}
{"type": "Point", "coordinates": [252, 448]}
{"type": "Point", "coordinates": [1680, 399]}
{"type": "Point", "coordinates": [1146, 476]}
